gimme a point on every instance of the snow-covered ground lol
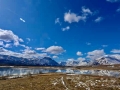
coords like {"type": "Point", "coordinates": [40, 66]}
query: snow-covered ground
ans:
{"type": "Point", "coordinates": [85, 82]}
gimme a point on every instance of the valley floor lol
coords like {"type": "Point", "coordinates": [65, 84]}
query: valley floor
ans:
{"type": "Point", "coordinates": [53, 81]}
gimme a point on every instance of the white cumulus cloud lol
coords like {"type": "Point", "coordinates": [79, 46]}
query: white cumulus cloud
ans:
{"type": "Point", "coordinates": [72, 17]}
{"type": "Point", "coordinates": [55, 50]}
{"type": "Point", "coordinates": [8, 36]}
{"type": "Point", "coordinates": [27, 53]}
{"type": "Point", "coordinates": [79, 53]}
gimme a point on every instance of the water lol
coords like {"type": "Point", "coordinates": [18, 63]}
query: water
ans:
{"type": "Point", "coordinates": [11, 71]}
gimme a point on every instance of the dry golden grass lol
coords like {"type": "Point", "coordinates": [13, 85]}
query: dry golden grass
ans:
{"type": "Point", "coordinates": [61, 82]}
{"type": "Point", "coordinates": [100, 67]}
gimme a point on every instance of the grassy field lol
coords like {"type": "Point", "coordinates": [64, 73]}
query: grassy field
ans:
{"type": "Point", "coordinates": [57, 81]}
{"type": "Point", "coordinates": [61, 82]}
{"type": "Point", "coordinates": [100, 67]}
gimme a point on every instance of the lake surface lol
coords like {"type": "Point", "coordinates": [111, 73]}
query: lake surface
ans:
{"type": "Point", "coordinates": [11, 71]}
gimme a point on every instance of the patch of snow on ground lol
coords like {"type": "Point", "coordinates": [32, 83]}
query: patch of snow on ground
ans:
{"type": "Point", "coordinates": [63, 83]}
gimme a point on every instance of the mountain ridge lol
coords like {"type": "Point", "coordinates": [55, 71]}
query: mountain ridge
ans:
{"type": "Point", "coordinates": [47, 61]}
{"type": "Point", "coordinates": [19, 61]}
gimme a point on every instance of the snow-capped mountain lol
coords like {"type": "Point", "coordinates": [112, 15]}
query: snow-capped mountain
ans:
{"type": "Point", "coordinates": [74, 63]}
{"type": "Point", "coordinates": [106, 60]}
{"type": "Point", "coordinates": [62, 63]}
{"type": "Point", "coordinates": [11, 60]}
{"type": "Point", "coordinates": [70, 63]}
{"type": "Point", "coordinates": [47, 61]}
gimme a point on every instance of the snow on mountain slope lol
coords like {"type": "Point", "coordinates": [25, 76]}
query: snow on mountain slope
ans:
{"type": "Point", "coordinates": [73, 63]}
{"type": "Point", "coordinates": [11, 60]}
{"type": "Point", "coordinates": [106, 60]}
{"type": "Point", "coordinates": [47, 61]}
{"type": "Point", "coordinates": [62, 63]}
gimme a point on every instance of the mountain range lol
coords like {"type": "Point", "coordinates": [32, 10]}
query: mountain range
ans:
{"type": "Point", "coordinates": [104, 60]}
{"type": "Point", "coordinates": [47, 61]}
{"type": "Point", "coordinates": [19, 61]}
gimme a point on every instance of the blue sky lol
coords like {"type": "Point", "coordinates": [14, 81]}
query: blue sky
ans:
{"type": "Point", "coordinates": [61, 29]}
